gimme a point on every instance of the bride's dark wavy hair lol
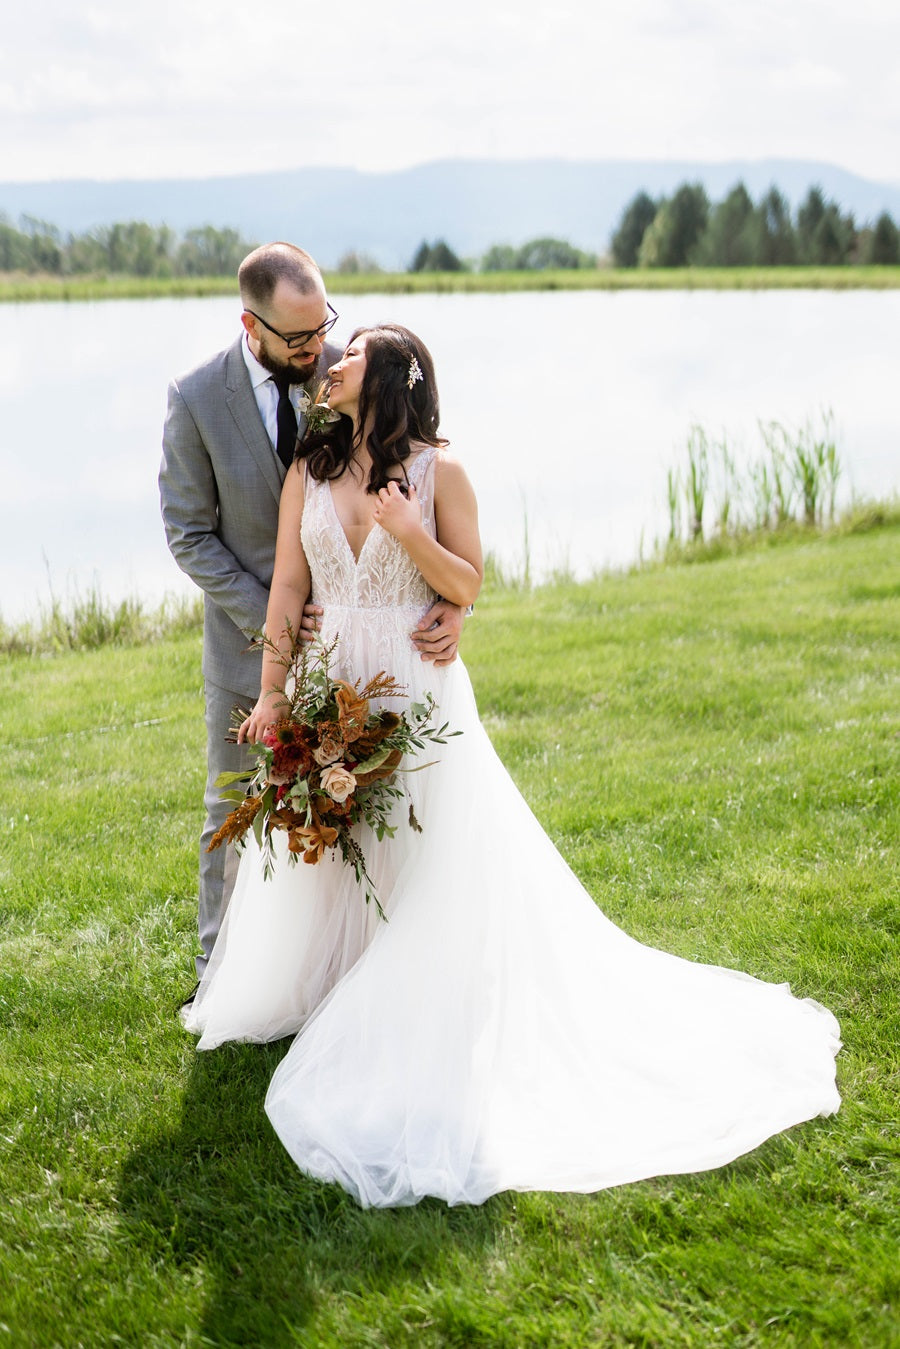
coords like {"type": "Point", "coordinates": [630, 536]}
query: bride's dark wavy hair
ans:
{"type": "Point", "coordinates": [401, 416]}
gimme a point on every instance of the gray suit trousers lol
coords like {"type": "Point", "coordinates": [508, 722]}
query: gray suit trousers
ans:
{"type": "Point", "coordinates": [218, 869]}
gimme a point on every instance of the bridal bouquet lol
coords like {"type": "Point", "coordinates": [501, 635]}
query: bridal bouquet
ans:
{"type": "Point", "coordinates": [328, 764]}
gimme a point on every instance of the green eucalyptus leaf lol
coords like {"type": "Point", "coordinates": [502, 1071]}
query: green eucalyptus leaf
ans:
{"type": "Point", "coordinates": [375, 760]}
{"type": "Point", "coordinates": [226, 778]}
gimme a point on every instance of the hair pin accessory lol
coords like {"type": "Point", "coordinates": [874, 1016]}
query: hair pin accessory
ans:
{"type": "Point", "coordinates": [415, 373]}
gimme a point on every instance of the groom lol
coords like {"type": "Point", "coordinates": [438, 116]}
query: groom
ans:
{"type": "Point", "coordinates": [228, 422]}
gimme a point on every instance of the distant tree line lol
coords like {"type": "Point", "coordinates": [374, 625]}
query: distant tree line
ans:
{"type": "Point", "coordinates": [131, 249]}
{"type": "Point", "coordinates": [687, 229]}
{"type": "Point", "coordinates": [537, 255]}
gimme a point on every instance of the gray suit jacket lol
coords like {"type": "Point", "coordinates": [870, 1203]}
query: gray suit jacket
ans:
{"type": "Point", "coordinates": [219, 485]}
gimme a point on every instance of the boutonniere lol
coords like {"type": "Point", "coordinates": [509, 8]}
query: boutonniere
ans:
{"type": "Point", "coordinates": [316, 410]}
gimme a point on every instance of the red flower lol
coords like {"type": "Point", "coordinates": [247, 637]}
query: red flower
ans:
{"type": "Point", "coordinates": [291, 754]}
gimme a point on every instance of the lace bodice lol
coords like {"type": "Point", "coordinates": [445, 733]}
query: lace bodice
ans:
{"type": "Point", "coordinates": [385, 577]}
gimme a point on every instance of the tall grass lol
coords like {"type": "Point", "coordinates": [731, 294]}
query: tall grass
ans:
{"type": "Point", "coordinates": [518, 572]}
{"type": "Point", "coordinates": [794, 479]}
{"type": "Point", "coordinates": [86, 622]}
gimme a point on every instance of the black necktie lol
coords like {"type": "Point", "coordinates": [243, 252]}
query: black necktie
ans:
{"type": "Point", "coordinates": [287, 422]}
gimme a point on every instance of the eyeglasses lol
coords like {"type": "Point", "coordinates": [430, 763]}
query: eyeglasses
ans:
{"type": "Point", "coordinates": [299, 339]}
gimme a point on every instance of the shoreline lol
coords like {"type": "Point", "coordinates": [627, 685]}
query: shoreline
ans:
{"type": "Point", "coordinates": [91, 620]}
{"type": "Point", "coordinates": [19, 288]}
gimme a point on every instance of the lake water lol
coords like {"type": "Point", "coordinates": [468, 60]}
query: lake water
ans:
{"type": "Point", "coordinates": [566, 408]}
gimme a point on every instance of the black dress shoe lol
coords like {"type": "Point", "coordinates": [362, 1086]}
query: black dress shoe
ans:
{"type": "Point", "coordinates": [189, 1000]}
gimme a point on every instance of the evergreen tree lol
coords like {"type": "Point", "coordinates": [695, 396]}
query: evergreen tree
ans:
{"type": "Point", "coordinates": [729, 238]}
{"type": "Point", "coordinates": [774, 241]}
{"type": "Point", "coordinates": [443, 259]}
{"type": "Point", "coordinates": [673, 238]}
{"type": "Point", "coordinates": [629, 235]}
{"type": "Point", "coordinates": [436, 257]}
{"type": "Point", "coordinates": [833, 238]}
{"type": "Point", "coordinates": [808, 217]}
{"type": "Point", "coordinates": [883, 244]}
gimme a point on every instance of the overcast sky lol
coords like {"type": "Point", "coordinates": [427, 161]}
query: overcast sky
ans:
{"type": "Point", "coordinates": [192, 88]}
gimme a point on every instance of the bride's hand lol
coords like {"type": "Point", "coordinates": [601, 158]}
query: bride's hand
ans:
{"type": "Point", "coordinates": [398, 514]}
{"type": "Point", "coordinates": [270, 707]}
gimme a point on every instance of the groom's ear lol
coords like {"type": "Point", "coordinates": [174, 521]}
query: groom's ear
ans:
{"type": "Point", "coordinates": [249, 323]}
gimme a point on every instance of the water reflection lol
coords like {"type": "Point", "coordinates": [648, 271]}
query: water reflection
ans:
{"type": "Point", "coordinates": [566, 408]}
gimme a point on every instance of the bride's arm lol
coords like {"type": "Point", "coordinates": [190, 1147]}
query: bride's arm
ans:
{"type": "Point", "coordinates": [452, 563]}
{"type": "Point", "coordinates": [289, 593]}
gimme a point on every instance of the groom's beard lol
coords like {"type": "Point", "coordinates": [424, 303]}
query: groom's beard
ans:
{"type": "Point", "coordinates": [296, 372]}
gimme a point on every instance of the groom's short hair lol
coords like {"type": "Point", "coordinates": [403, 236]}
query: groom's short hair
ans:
{"type": "Point", "coordinates": [261, 270]}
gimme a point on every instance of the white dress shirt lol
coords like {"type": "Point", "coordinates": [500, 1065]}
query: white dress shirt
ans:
{"type": "Point", "coordinates": [265, 391]}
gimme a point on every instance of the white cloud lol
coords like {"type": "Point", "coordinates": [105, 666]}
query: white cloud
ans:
{"type": "Point", "coordinates": [804, 76]}
{"type": "Point", "coordinates": [188, 89]}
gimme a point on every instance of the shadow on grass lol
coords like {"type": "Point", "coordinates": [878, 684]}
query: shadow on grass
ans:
{"type": "Point", "coordinates": [219, 1195]}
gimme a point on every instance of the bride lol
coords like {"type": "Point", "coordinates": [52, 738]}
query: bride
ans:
{"type": "Point", "coordinates": [497, 1032]}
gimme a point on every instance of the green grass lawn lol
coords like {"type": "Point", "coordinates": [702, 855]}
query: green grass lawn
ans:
{"type": "Point", "coordinates": [21, 287]}
{"type": "Point", "coordinates": [714, 748]}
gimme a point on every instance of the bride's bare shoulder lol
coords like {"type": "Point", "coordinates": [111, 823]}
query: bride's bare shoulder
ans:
{"type": "Point", "coordinates": [448, 466]}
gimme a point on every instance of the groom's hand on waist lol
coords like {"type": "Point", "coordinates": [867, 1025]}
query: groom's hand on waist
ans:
{"type": "Point", "coordinates": [310, 621]}
{"type": "Point", "coordinates": [437, 635]}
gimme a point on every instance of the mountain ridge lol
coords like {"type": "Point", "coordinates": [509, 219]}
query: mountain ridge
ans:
{"type": "Point", "coordinates": [469, 203]}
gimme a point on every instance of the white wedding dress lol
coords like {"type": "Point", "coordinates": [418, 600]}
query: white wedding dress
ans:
{"type": "Point", "coordinates": [498, 1032]}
